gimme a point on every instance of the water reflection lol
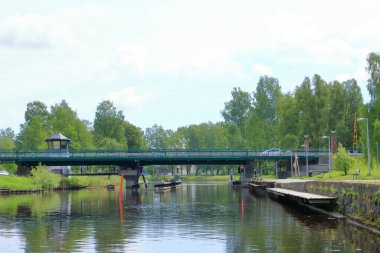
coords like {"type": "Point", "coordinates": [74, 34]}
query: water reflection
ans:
{"type": "Point", "coordinates": [212, 218]}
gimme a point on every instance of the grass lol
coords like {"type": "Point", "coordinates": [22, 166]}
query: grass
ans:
{"type": "Point", "coordinates": [359, 163]}
{"type": "Point", "coordinates": [13, 182]}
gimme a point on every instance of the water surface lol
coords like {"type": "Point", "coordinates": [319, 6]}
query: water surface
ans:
{"type": "Point", "coordinates": [194, 218]}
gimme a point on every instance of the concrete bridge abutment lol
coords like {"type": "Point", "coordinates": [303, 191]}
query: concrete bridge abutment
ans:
{"type": "Point", "coordinates": [131, 177]}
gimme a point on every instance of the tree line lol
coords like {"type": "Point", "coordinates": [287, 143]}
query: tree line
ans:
{"type": "Point", "coordinates": [261, 118]}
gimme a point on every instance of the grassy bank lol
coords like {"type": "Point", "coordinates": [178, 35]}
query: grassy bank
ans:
{"type": "Point", "coordinates": [359, 163]}
{"type": "Point", "coordinates": [52, 181]}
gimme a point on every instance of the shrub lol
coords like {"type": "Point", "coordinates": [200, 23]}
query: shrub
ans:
{"type": "Point", "coordinates": [342, 160]}
{"type": "Point", "coordinates": [44, 178]}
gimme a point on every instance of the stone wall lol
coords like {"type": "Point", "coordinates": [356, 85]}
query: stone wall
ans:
{"type": "Point", "coordinates": [355, 200]}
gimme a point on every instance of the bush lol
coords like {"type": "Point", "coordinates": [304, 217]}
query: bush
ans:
{"type": "Point", "coordinates": [342, 160]}
{"type": "Point", "coordinates": [44, 178]}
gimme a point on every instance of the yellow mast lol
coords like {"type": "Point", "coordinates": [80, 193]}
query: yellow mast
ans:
{"type": "Point", "coordinates": [355, 142]}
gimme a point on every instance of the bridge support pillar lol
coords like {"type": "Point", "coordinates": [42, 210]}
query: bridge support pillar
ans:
{"type": "Point", "coordinates": [131, 177]}
{"type": "Point", "coordinates": [248, 174]}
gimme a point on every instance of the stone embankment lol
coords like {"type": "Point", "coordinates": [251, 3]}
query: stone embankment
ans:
{"type": "Point", "coordinates": [358, 200]}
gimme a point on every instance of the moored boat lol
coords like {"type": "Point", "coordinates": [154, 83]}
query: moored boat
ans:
{"type": "Point", "coordinates": [110, 187]}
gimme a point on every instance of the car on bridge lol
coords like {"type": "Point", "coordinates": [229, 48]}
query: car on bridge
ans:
{"type": "Point", "coordinates": [272, 152]}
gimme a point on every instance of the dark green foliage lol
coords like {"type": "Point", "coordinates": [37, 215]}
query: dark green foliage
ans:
{"type": "Point", "coordinates": [134, 136]}
{"type": "Point", "coordinates": [109, 123]}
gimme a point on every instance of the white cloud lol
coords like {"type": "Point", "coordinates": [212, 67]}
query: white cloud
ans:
{"type": "Point", "coordinates": [262, 70]}
{"type": "Point", "coordinates": [193, 62]}
{"type": "Point", "coordinates": [135, 56]}
{"type": "Point", "coordinates": [34, 31]}
{"type": "Point", "coordinates": [209, 62]}
{"type": "Point", "coordinates": [333, 51]}
{"type": "Point", "coordinates": [128, 99]}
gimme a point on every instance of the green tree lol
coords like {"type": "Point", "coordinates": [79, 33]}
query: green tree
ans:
{"type": "Point", "coordinates": [36, 108]}
{"type": "Point", "coordinates": [36, 126]}
{"type": "Point", "coordinates": [373, 68]}
{"type": "Point", "coordinates": [288, 127]}
{"type": "Point", "coordinates": [235, 112]}
{"type": "Point", "coordinates": [33, 135]}
{"type": "Point", "coordinates": [134, 136]}
{"type": "Point", "coordinates": [8, 132]}
{"type": "Point", "coordinates": [263, 117]}
{"type": "Point", "coordinates": [319, 110]}
{"type": "Point", "coordinates": [345, 100]}
{"type": "Point", "coordinates": [7, 139]}
{"type": "Point", "coordinates": [304, 102]}
{"type": "Point", "coordinates": [157, 137]}
{"type": "Point", "coordinates": [65, 120]}
{"type": "Point", "coordinates": [372, 109]}
{"type": "Point", "coordinates": [109, 123]}
{"type": "Point", "coordinates": [343, 161]}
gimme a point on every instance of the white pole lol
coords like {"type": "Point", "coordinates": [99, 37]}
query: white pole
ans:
{"type": "Point", "coordinates": [329, 156]}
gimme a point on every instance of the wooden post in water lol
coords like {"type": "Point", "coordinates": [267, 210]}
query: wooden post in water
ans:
{"type": "Point", "coordinates": [121, 187]}
{"type": "Point", "coordinates": [121, 210]}
{"type": "Point", "coordinates": [146, 186]}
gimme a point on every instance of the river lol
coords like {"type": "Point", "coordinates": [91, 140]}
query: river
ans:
{"type": "Point", "coordinates": [195, 218]}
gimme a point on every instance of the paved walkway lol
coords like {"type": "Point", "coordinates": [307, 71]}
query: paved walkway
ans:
{"type": "Point", "coordinates": [291, 180]}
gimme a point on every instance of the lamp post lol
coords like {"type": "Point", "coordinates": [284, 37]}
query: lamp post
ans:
{"type": "Point", "coordinates": [306, 146]}
{"type": "Point", "coordinates": [329, 138]}
{"type": "Point", "coordinates": [368, 151]}
{"type": "Point", "coordinates": [307, 160]}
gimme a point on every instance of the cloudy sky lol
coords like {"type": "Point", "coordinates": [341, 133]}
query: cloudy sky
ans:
{"type": "Point", "coordinates": [172, 62]}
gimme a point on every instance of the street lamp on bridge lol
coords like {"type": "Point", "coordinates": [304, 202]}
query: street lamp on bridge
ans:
{"type": "Point", "coordinates": [368, 151]}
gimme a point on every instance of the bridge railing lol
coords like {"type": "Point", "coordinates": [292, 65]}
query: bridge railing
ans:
{"type": "Point", "coordinates": [154, 153]}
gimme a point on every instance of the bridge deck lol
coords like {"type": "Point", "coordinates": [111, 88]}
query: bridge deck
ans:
{"type": "Point", "coordinates": [149, 157]}
{"type": "Point", "coordinates": [303, 197]}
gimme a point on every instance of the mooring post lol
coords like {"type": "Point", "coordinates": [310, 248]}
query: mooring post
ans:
{"type": "Point", "coordinates": [121, 188]}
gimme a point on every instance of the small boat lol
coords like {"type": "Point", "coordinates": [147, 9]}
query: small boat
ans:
{"type": "Point", "coordinates": [163, 186]}
{"type": "Point", "coordinates": [167, 186]}
{"type": "Point", "coordinates": [110, 187]}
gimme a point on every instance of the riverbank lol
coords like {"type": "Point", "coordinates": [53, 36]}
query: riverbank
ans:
{"type": "Point", "coordinates": [16, 184]}
{"type": "Point", "coordinates": [357, 200]}
{"type": "Point", "coordinates": [49, 181]}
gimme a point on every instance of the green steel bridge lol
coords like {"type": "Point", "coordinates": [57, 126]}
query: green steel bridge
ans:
{"type": "Point", "coordinates": [152, 157]}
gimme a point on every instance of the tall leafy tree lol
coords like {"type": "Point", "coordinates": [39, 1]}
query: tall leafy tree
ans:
{"type": "Point", "coordinates": [157, 137]}
{"type": "Point", "coordinates": [373, 68]}
{"type": "Point", "coordinates": [36, 126]}
{"type": "Point", "coordinates": [305, 102]}
{"type": "Point", "coordinates": [109, 123]}
{"type": "Point", "coordinates": [235, 114]}
{"type": "Point", "coordinates": [319, 110]}
{"type": "Point", "coordinates": [264, 115]}
{"type": "Point", "coordinates": [7, 138]}
{"type": "Point", "coordinates": [7, 132]}
{"type": "Point", "coordinates": [33, 135]}
{"type": "Point", "coordinates": [65, 120]}
{"type": "Point", "coordinates": [345, 100]}
{"type": "Point", "coordinates": [237, 109]}
{"type": "Point", "coordinates": [288, 125]}
{"type": "Point", "coordinates": [36, 108]}
{"type": "Point", "coordinates": [134, 136]}
{"type": "Point", "coordinates": [372, 110]}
